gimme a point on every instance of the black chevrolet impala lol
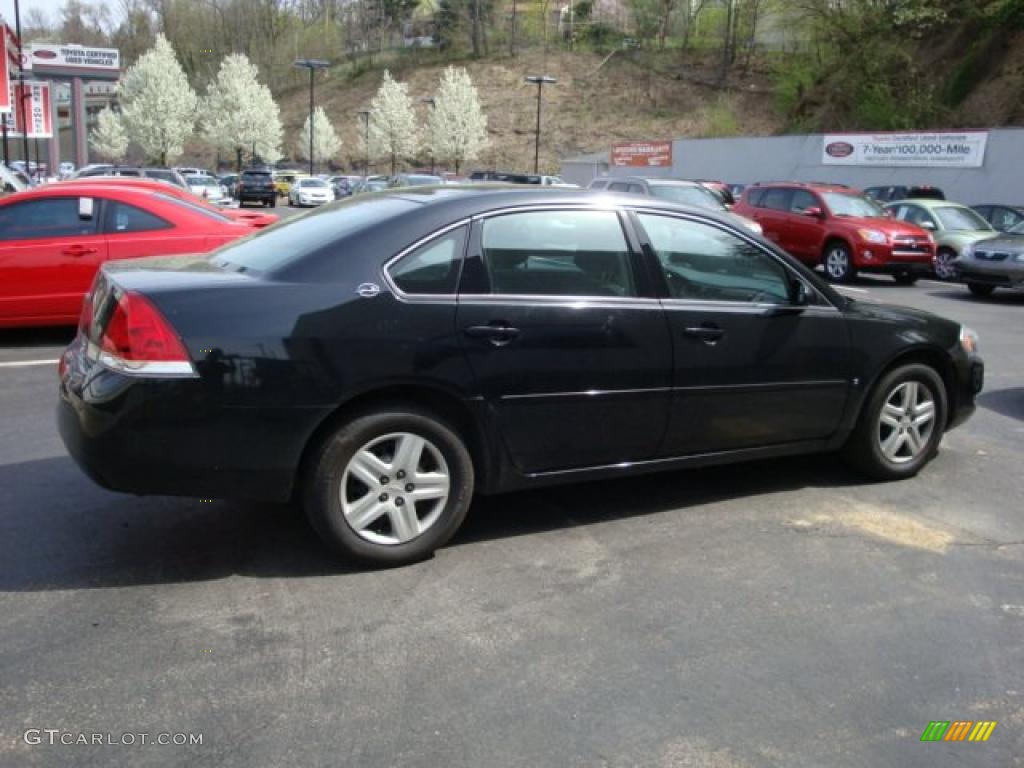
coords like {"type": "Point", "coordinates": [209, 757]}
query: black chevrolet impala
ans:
{"type": "Point", "coordinates": [386, 357]}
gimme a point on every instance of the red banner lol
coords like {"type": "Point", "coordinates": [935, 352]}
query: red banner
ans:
{"type": "Point", "coordinates": [642, 154]}
{"type": "Point", "coordinates": [33, 96]}
{"type": "Point", "coordinates": [5, 80]}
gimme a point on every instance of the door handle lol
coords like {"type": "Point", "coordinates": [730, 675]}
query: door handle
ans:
{"type": "Point", "coordinates": [709, 334]}
{"type": "Point", "coordinates": [78, 250]}
{"type": "Point", "coordinates": [498, 335]}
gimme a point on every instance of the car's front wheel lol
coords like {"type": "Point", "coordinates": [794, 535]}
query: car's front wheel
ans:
{"type": "Point", "coordinates": [944, 269]}
{"type": "Point", "coordinates": [901, 425]}
{"type": "Point", "coordinates": [389, 488]}
{"type": "Point", "coordinates": [839, 263]}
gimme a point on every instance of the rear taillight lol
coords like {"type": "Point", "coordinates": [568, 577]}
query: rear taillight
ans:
{"type": "Point", "coordinates": [138, 340]}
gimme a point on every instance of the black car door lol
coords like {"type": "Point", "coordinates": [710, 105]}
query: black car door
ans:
{"type": "Point", "coordinates": [754, 366]}
{"type": "Point", "coordinates": [568, 343]}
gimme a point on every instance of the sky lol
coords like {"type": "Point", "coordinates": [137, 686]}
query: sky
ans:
{"type": "Point", "coordinates": [50, 6]}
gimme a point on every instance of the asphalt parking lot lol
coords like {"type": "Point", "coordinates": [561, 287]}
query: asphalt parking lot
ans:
{"type": "Point", "coordinates": [780, 614]}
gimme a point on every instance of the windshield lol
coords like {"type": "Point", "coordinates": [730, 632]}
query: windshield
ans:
{"type": "Point", "coordinates": [960, 218]}
{"type": "Point", "coordinates": [421, 179]}
{"type": "Point", "coordinates": [313, 183]}
{"type": "Point", "coordinates": [1017, 229]}
{"type": "Point", "coordinates": [201, 181]}
{"type": "Point", "coordinates": [291, 239]}
{"type": "Point", "coordinates": [695, 195]}
{"type": "Point", "coordinates": [844, 204]}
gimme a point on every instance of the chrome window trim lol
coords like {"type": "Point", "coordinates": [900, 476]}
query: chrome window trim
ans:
{"type": "Point", "coordinates": [579, 302]}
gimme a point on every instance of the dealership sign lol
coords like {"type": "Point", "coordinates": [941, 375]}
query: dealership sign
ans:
{"type": "Point", "coordinates": [5, 79]}
{"type": "Point", "coordinates": [75, 61]}
{"type": "Point", "coordinates": [36, 97]}
{"type": "Point", "coordinates": [642, 154]}
{"type": "Point", "coordinates": [943, 149]}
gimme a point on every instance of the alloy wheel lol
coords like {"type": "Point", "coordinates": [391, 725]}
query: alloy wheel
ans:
{"type": "Point", "coordinates": [394, 488]}
{"type": "Point", "coordinates": [906, 422]}
{"type": "Point", "coordinates": [837, 264]}
{"type": "Point", "coordinates": [944, 265]}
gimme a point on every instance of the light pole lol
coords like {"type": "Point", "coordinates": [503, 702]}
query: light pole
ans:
{"type": "Point", "coordinates": [433, 105]}
{"type": "Point", "coordinates": [541, 81]}
{"type": "Point", "coordinates": [365, 114]}
{"type": "Point", "coordinates": [312, 65]}
{"type": "Point", "coordinates": [21, 83]}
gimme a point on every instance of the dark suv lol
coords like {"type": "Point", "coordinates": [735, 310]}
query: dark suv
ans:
{"type": "Point", "coordinates": [840, 228]}
{"type": "Point", "coordinates": [256, 185]}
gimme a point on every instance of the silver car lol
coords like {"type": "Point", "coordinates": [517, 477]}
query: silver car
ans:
{"type": "Point", "coordinates": [997, 262]}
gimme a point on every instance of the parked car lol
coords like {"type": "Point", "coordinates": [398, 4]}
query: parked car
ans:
{"type": "Point", "coordinates": [953, 226]}
{"type": "Point", "coordinates": [256, 185]}
{"type": "Point", "coordinates": [840, 228]}
{"type": "Point", "coordinates": [206, 187]}
{"type": "Point", "coordinates": [685, 192]}
{"type": "Point", "coordinates": [162, 174]}
{"type": "Point", "coordinates": [372, 184]}
{"type": "Point", "coordinates": [720, 189]}
{"type": "Point", "coordinates": [310, 192]}
{"type": "Point", "coordinates": [485, 340]}
{"type": "Point", "coordinates": [414, 180]}
{"type": "Point", "coordinates": [342, 186]}
{"type": "Point", "coordinates": [247, 216]}
{"type": "Point", "coordinates": [1003, 218]}
{"type": "Point", "coordinates": [54, 239]}
{"type": "Point", "coordinates": [12, 180]}
{"type": "Point", "coordinates": [283, 180]}
{"type": "Point", "coordinates": [65, 170]}
{"type": "Point", "coordinates": [511, 177]}
{"type": "Point", "coordinates": [888, 194]}
{"type": "Point", "coordinates": [193, 171]}
{"type": "Point", "coordinates": [997, 262]}
{"type": "Point", "coordinates": [228, 183]}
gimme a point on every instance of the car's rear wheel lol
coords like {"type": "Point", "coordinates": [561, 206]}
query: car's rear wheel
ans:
{"type": "Point", "coordinates": [901, 425]}
{"type": "Point", "coordinates": [391, 487]}
{"type": "Point", "coordinates": [944, 269]}
{"type": "Point", "coordinates": [905, 278]}
{"type": "Point", "coordinates": [839, 263]}
{"type": "Point", "coordinates": [980, 289]}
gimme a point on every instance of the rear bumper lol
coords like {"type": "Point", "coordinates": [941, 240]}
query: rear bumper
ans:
{"type": "Point", "coordinates": [161, 437]}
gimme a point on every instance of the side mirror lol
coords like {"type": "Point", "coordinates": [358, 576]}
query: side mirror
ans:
{"type": "Point", "coordinates": [814, 212]}
{"type": "Point", "coordinates": [86, 206]}
{"type": "Point", "coordinates": [798, 294]}
{"type": "Point", "coordinates": [929, 225]}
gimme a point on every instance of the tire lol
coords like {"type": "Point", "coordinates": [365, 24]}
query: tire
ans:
{"type": "Point", "coordinates": [387, 537]}
{"type": "Point", "coordinates": [904, 278]}
{"type": "Point", "coordinates": [273, 202]}
{"type": "Point", "coordinates": [979, 289]}
{"type": "Point", "coordinates": [944, 265]}
{"type": "Point", "coordinates": [885, 414]}
{"type": "Point", "coordinates": [838, 263]}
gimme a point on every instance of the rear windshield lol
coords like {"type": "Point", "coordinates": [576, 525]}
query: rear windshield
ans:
{"type": "Point", "coordinates": [202, 210]}
{"type": "Point", "coordinates": [699, 197]}
{"type": "Point", "coordinates": [292, 239]}
{"type": "Point", "coordinates": [255, 176]}
{"type": "Point", "coordinates": [313, 183]}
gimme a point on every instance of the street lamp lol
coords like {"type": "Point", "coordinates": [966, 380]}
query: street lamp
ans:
{"type": "Point", "coordinates": [365, 114]}
{"type": "Point", "coordinates": [433, 105]}
{"type": "Point", "coordinates": [541, 81]}
{"type": "Point", "coordinates": [21, 83]}
{"type": "Point", "coordinates": [312, 65]}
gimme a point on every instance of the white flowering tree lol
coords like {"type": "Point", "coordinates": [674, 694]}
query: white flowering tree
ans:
{"type": "Point", "coordinates": [108, 138]}
{"type": "Point", "coordinates": [325, 141]}
{"type": "Point", "coordinates": [457, 123]}
{"type": "Point", "coordinates": [393, 131]}
{"type": "Point", "coordinates": [158, 106]}
{"type": "Point", "coordinates": [239, 112]}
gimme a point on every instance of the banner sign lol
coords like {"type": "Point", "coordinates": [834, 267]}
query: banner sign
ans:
{"type": "Point", "coordinates": [642, 154]}
{"type": "Point", "coordinates": [5, 79]}
{"type": "Point", "coordinates": [37, 102]}
{"type": "Point", "coordinates": [74, 61]}
{"type": "Point", "coordinates": [940, 149]}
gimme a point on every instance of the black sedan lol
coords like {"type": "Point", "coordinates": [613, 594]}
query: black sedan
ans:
{"type": "Point", "coordinates": [386, 357]}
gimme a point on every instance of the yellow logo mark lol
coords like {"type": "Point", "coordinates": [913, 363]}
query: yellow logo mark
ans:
{"type": "Point", "coordinates": [982, 730]}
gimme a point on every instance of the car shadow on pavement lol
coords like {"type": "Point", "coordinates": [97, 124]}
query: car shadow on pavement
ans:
{"type": "Point", "coordinates": [14, 338]}
{"type": "Point", "coordinates": [960, 293]}
{"type": "Point", "coordinates": [61, 532]}
{"type": "Point", "coordinates": [1006, 402]}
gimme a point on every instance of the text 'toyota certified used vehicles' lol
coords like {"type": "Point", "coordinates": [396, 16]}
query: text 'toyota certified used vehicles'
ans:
{"type": "Point", "coordinates": [839, 228]}
{"type": "Point", "coordinates": [384, 358]}
{"type": "Point", "coordinates": [953, 226]}
{"type": "Point", "coordinates": [53, 240]}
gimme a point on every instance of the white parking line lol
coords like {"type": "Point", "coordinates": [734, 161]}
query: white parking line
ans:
{"type": "Point", "coordinates": [848, 288]}
{"type": "Point", "coordinates": [28, 363]}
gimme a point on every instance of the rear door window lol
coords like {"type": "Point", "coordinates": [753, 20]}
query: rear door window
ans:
{"type": "Point", "coordinates": [122, 217]}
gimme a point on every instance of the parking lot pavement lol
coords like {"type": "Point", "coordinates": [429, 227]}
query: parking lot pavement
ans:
{"type": "Point", "coordinates": [783, 613]}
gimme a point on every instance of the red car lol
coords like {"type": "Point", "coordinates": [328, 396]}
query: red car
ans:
{"type": "Point", "coordinates": [840, 228]}
{"type": "Point", "coordinates": [256, 219]}
{"type": "Point", "coordinates": [54, 238]}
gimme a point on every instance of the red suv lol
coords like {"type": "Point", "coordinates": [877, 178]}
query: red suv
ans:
{"type": "Point", "coordinates": [840, 228]}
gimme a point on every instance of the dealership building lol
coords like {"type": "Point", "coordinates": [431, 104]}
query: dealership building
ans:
{"type": "Point", "coordinates": [971, 166]}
